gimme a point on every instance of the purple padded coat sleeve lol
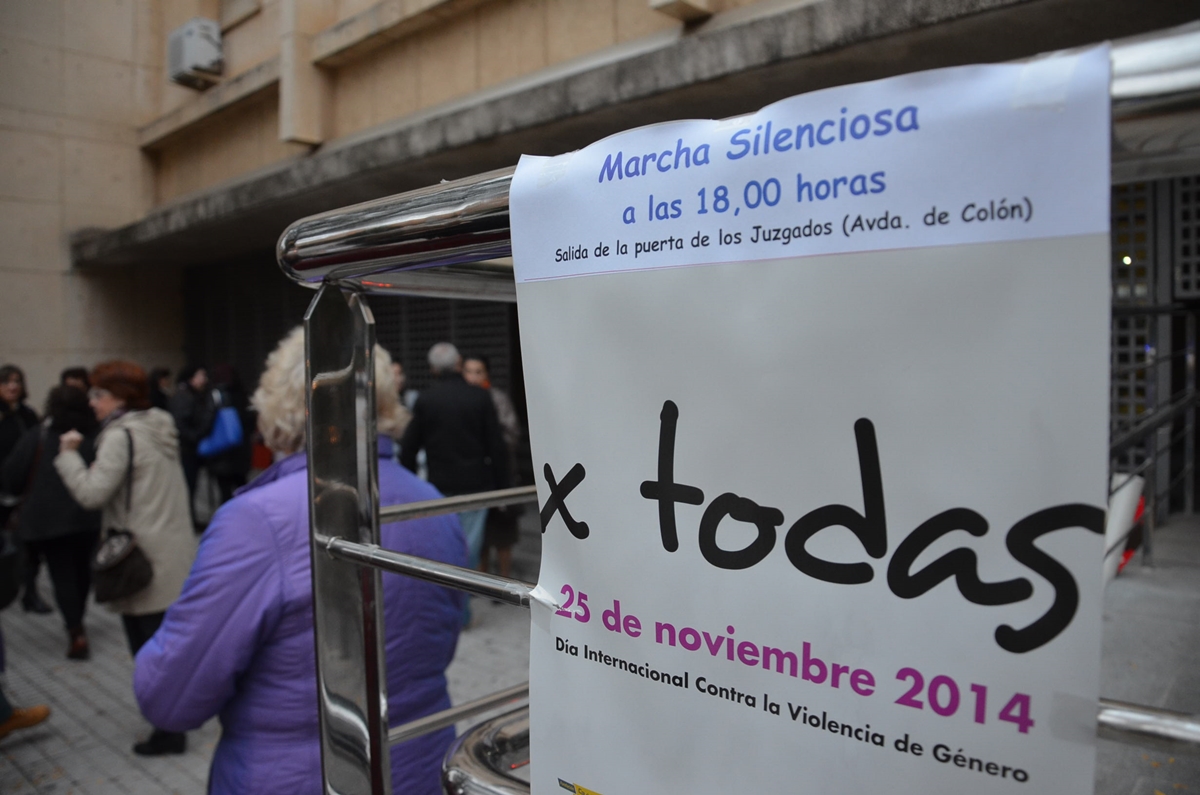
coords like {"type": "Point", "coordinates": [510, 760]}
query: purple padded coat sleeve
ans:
{"type": "Point", "coordinates": [235, 593]}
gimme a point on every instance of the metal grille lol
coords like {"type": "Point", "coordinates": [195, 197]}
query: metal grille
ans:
{"type": "Point", "coordinates": [1133, 243]}
{"type": "Point", "coordinates": [237, 313]}
{"type": "Point", "coordinates": [1187, 237]}
{"type": "Point", "coordinates": [1132, 335]}
{"type": "Point", "coordinates": [407, 327]}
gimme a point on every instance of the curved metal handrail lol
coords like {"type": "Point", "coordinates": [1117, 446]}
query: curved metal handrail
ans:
{"type": "Point", "coordinates": [516, 697]}
{"type": "Point", "coordinates": [388, 245]}
{"type": "Point", "coordinates": [1136, 724]}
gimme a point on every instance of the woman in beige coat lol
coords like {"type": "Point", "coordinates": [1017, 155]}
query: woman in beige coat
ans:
{"type": "Point", "coordinates": [154, 491]}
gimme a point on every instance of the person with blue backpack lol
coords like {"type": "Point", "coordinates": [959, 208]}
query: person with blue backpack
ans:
{"type": "Point", "coordinates": [225, 452]}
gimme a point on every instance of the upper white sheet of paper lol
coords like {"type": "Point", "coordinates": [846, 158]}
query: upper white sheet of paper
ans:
{"type": "Point", "coordinates": [904, 162]}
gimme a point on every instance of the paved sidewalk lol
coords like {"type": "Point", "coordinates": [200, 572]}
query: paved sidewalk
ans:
{"type": "Point", "coordinates": [84, 748]}
{"type": "Point", "coordinates": [85, 745]}
{"type": "Point", "coordinates": [1151, 655]}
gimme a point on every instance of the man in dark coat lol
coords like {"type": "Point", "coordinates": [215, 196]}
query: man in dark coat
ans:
{"type": "Point", "coordinates": [456, 424]}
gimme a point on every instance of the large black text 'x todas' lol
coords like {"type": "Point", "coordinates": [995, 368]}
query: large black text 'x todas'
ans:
{"type": "Point", "coordinates": [558, 494]}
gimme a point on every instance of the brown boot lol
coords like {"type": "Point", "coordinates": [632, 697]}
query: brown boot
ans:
{"type": "Point", "coordinates": [78, 650]}
{"type": "Point", "coordinates": [23, 718]}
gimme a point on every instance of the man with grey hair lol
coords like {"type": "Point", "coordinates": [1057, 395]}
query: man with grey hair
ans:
{"type": "Point", "coordinates": [456, 424]}
{"type": "Point", "coordinates": [444, 357]}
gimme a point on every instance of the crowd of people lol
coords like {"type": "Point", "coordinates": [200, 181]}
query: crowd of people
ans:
{"type": "Point", "coordinates": [223, 625]}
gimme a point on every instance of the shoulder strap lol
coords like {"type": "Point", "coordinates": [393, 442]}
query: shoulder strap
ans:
{"type": "Point", "coordinates": [129, 475]}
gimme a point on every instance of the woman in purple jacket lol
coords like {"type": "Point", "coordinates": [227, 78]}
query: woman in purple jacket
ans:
{"type": "Point", "coordinates": [239, 641]}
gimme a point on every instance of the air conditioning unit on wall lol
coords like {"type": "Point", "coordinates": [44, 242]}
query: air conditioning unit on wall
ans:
{"type": "Point", "coordinates": [194, 53]}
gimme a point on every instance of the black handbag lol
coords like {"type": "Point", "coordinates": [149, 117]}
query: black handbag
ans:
{"type": "Point", "coordinates": [120, 568]}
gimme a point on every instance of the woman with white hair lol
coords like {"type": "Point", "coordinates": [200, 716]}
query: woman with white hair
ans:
{"type": "Point", "coordinates": [239, 641]}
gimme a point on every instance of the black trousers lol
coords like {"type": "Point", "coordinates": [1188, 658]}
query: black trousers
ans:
{"type": "Point", "coordinates": [33, 562]}
{"type": "Point", "coordinates": [69, 559]}
{"type": "Point", "coordinates": [139, 629]}
{"type": "Point", "coordinates": [191, 475]}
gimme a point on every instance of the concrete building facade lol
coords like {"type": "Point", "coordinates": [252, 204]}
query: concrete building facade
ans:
{"type": "Point", "coordinates": [138, 217]}
{"type": "Point", "coordinates": [75, 84]}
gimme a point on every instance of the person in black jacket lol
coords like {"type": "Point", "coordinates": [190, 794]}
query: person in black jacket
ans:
{"type": "Point", "coordinates": [456, 424]}
{"type": "Point", "coordinates": [192, 407]}
{"type": "Point", "coordinates": [500, 531]}
{"type": "Point", "coordinates": [15, 416]}
{"type": "Point", "coordinates": [51, 523]}
{"type": "Point", "coordinates": [76, 377]}
{"type": "Point", "coordinates": [15, 419]}
{"type": "Point", "coordinates": [160, 388]}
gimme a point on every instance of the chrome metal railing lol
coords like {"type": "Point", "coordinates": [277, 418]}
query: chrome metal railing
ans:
{"type": "Point", "coordinates": [479, 583]}
{"type": "Point", "coordinates": [463, 502]}
{"type": "Point", "coordinates": [516, 697]}
{"type": "Point", "coordinates": [452, 241]}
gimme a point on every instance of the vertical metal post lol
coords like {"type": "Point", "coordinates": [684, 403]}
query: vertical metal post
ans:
{"type": "Point", "coordinates": [343, 503]}
{"type": "Point", "coordinates": [1189, 441]}
{"type": "Point", "coordinates": [1162, 276]}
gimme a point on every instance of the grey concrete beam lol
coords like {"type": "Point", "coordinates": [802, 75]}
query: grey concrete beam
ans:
{"type": "Point", "coordinates": [733, 63]}
{"type": "Point", "coordinates": [224, 95]}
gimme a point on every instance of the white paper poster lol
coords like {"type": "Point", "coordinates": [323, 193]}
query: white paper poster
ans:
{"type": "Point", "coordinates": [818, 407]}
